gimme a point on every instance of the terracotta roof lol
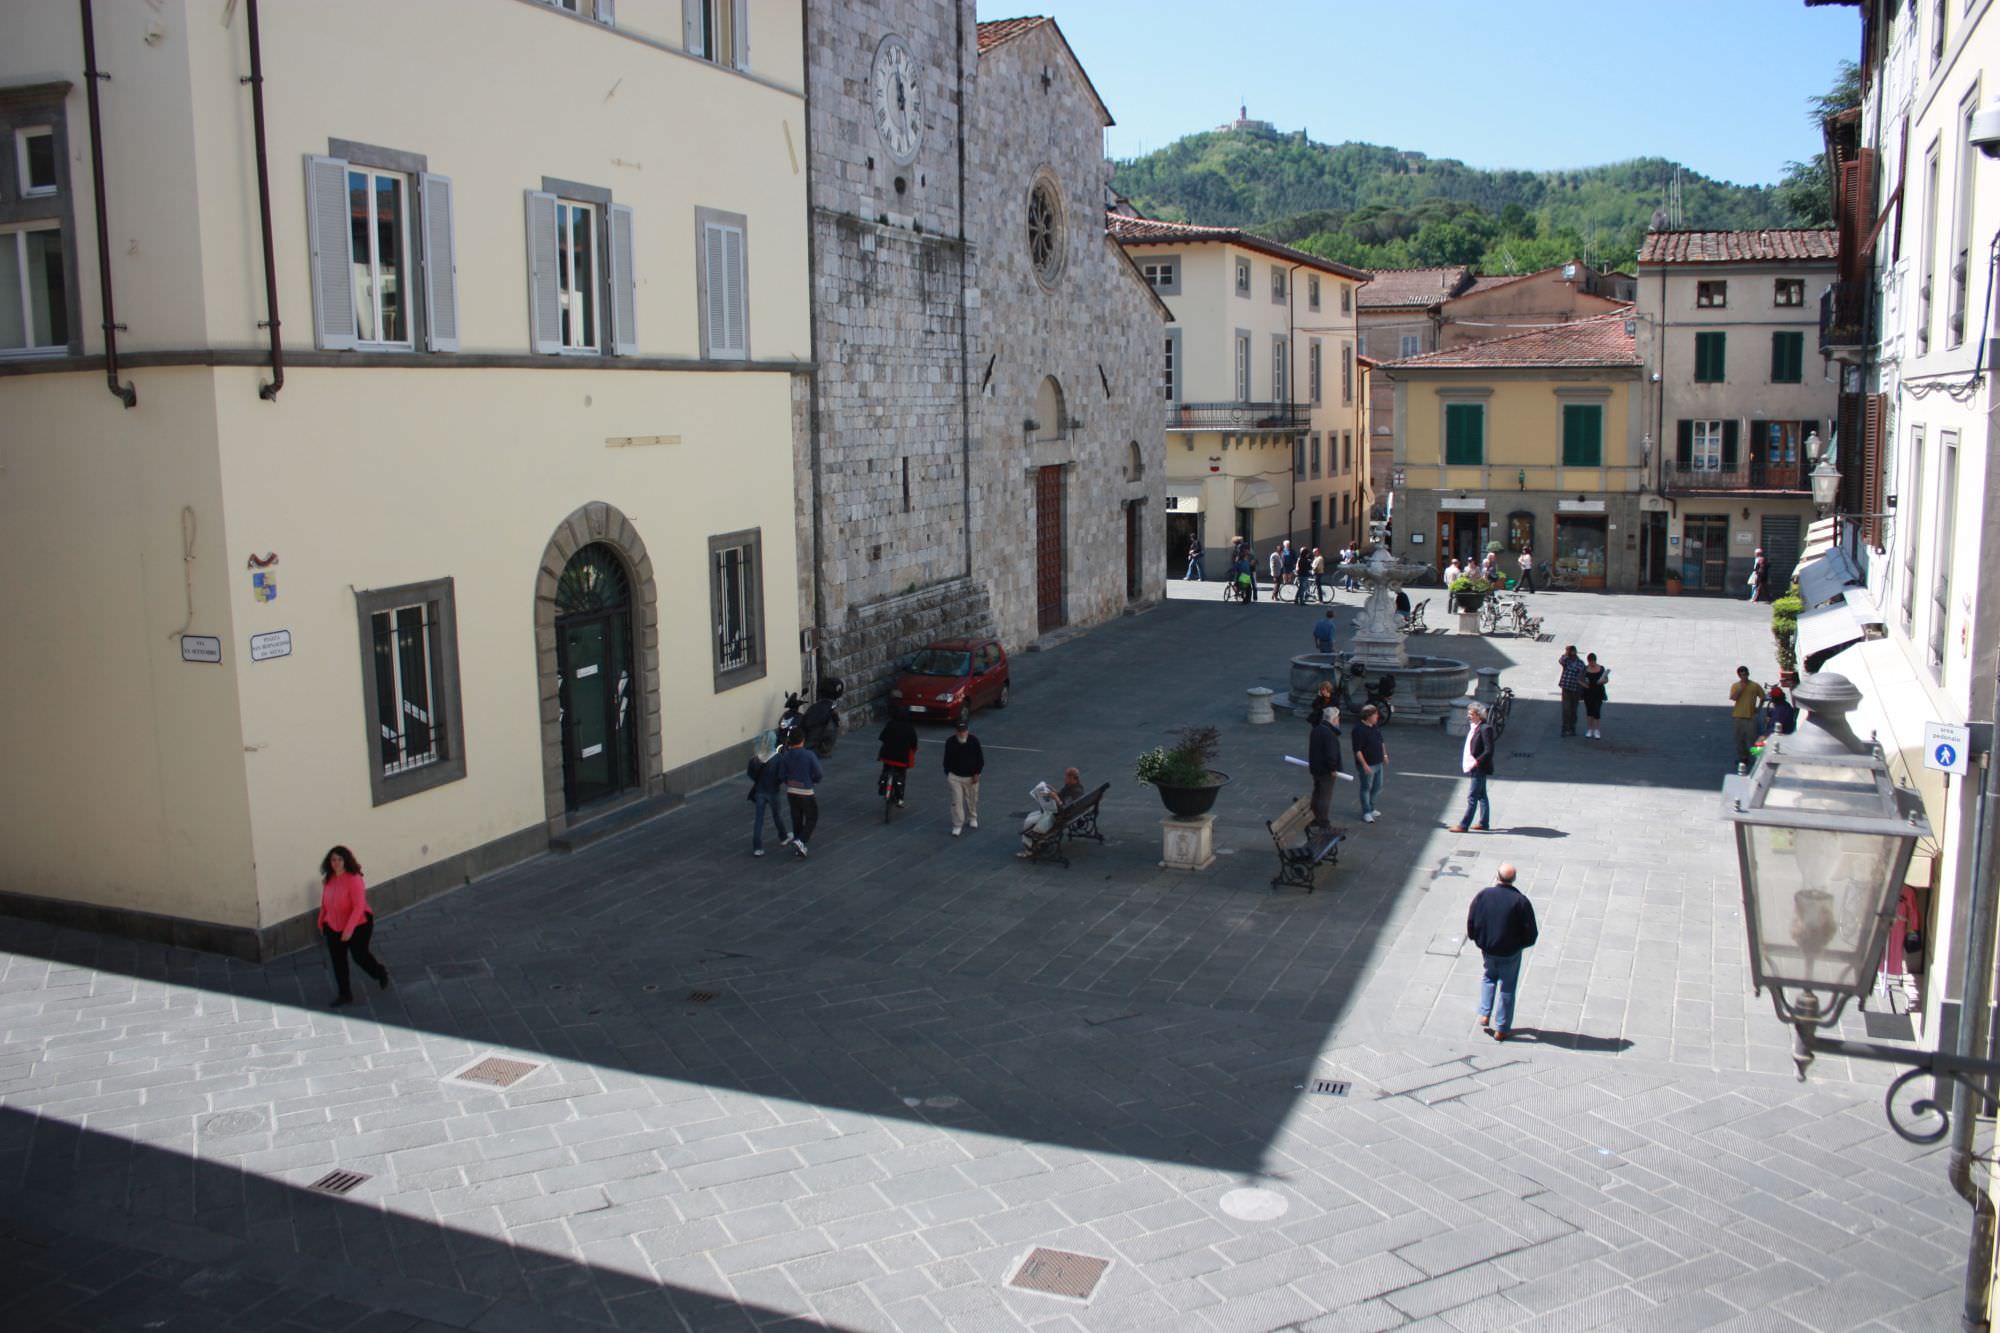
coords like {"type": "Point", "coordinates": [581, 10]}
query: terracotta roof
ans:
{"type": "Point", "coordinates": [1737, 247]}
{"type": "Point", "coordinates": [1001, 31]}
{"type": "Point", "coordinates": [1406, 288]}
{"type": "Point", "coordinates": [1153, 231]}
{"type": "Point", "coordinates": [1602, 340]}
{"type": "Point", "coordinates": [1488, 281]}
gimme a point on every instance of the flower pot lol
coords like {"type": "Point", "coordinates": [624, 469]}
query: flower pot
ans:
{"type": "Point", "coordinates": [1187, 802]}
{"type": "Point", "coordinates": [1673, 587]}
{"type": "Point", "coordinates": [1469, 601]}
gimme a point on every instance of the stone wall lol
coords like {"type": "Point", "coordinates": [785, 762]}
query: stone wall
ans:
{"type": "Point", "coordinates": [1096, 330]}
{"type": "Point", "coordinates": [876, 636]}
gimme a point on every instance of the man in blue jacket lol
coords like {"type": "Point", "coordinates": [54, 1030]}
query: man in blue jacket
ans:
{"type": "Point", "coordinates": [1501, 921]}
{"type": "Point", "coordinates": [800, 773]}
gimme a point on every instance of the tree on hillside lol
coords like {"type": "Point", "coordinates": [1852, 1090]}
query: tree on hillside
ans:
{"type": "Point", "coordinates": [1805, 191]}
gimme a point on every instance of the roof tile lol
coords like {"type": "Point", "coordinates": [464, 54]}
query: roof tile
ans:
{"type": "Point", "coordinates": [1133, 230]}
{"type": "Point", "coordinates": [1602, 340]}
{"type": "Point", "coordinates": [1737, 247]}
{"type": "Point", "coordinates": [1406, 288]}
{"type": "Point", "coordinates": [1001, 31]}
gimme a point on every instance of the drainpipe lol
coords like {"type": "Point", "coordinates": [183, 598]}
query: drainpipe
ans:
{"type": "Point", "coordinates": [268, 392]}
{"type": "Point", "coordinates": [1976, 1037]}
{"type": "Point", "coordinates": [964, 317]}
{"type": "Point", "coordinates": [124, 393]}
{"type": "Point", "coordinates": [1291, 389]}
{"type": "Point", "coordinates": [812, 335]}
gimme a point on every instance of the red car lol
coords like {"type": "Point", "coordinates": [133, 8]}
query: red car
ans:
{"type": "Point", "coordinates": [951, 678]}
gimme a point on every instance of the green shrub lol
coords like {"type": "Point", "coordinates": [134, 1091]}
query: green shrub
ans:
{"type": "Point", "coordinates": [1785, 629]}
{"type": "Point", "coordinates": [1185, 763]}
{"type": "Point", "coordinates": [1470, 583]}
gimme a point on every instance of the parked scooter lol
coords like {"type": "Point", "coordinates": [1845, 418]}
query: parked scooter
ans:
{"type": "Point", "coordinates": [1378, 694]}
{"type": "Point", "coordinates": [820, 719]}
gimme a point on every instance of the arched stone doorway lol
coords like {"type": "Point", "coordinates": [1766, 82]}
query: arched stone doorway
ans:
{"type": "Point", "coordinates": [597, 652]}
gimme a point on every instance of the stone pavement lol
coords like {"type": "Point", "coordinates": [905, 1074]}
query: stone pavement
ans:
{"type": "Point", "coordinates": [857, 1091]}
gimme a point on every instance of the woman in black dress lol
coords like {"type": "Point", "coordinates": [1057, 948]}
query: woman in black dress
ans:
{"type": "Point", "coordinates": [1595, 674]}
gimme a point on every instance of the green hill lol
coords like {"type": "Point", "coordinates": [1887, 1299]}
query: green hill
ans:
{"type": "Point", "coordinates": [1384, 207]}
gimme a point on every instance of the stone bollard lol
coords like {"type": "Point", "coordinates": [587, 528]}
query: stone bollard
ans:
{"type": "Point", "coordinates": [1260, 705]}
{"type": "Point", "coordinates": [1456, 722]}
{"type": "Point", "coordinates": [1488, 688]}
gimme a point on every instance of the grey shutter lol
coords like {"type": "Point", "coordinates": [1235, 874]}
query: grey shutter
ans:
{"type": "Point", "coordinates": [735, 297]}
{"type": "Point", "coordinates": [440, 265]}
{"type": "Point", "coordinates": [691, 27]}
{"type": "Point", "coordinates": [722, 275]}
{"type": "Point", "coordinates": [624, 302]}
{"type": "Point", "coordinates": [741, 27]}
{"type": "Point", "coordinates": [332, 253]}
{"type": "Point", "coordinates": [606, 13]}
{"type": "Point", "coordinates": [544, 299]}
{"type": "Point", "coordinates": [714, 321]}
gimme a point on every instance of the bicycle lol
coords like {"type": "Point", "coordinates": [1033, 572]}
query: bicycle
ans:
{"type": "Point", "coordinates": [1496, 713]}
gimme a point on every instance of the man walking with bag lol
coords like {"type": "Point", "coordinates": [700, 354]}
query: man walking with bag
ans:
{"type": "Point", "coordinates": [1501, 921]}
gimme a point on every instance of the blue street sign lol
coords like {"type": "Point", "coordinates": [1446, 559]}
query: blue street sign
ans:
{"type": "Point", "coordinates": [1947, 757]}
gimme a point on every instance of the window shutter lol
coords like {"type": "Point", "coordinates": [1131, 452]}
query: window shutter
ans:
{"type": "Point", "coordinates": [1718, 357]}
{"type": "Point", "coordinates": [691, 27]}
{"type": "Point", "coordinates": [733, 289]}
{"type": "Point", "coordinates": [624, 298]}
{"type": "Point", "coordinates": [741, 27]}
{"type": "Point", "coordinates": [1873, 459]}
{"type": "Point", "coordinates": [1730, 441]}
{"type": "Point", "coordinates": [1684, 447]}
{"type": "Point", "coordinates": [440, 265]}
{"type": "Point", "coordinates": [722, 262]}
{"type": "Point", "coordinates": [544, 299]}
{"type": "Point", "coordinates": [606, 12]}
{"type": "Point", "coordinates": [1777, 358]}
{"type": "Point", "coordinates": [332, 258]}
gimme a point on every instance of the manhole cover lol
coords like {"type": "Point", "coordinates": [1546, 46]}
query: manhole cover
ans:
{"type": "Point", "coordinates": [700, 996]}
{"type": "Point", "coordinates": [1329, 1087]}
{"type": "Point", "coordinates": [229, 1124]}
{"type": "Point", "coordinates": [496, 1072]}
{"type": "Point", "coordinates": [1059, 1273]}
{"type": "Point", "coordinates": [338, 1182]}
{"type": "Point", "coordinates": [1250, 1205]}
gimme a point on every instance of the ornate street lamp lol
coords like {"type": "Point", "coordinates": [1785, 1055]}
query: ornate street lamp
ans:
{"type": "Point", "coordinates": [1825, 484]}
{"type": "Point", "coordinates": [1823, 841]}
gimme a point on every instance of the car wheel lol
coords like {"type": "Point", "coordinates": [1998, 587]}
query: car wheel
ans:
{"type": "Point", "coordinates": [1000, 699]}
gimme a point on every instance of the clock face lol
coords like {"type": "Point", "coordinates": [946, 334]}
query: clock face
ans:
{"type": "Point", "coordinates": [898, 107]}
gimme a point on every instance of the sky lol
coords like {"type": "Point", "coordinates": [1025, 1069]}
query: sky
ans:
{"type": "Point", "coordinates": [1717, 85]}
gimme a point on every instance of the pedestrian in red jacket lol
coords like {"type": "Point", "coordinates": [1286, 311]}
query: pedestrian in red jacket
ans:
{"type": "Point", "coordinates": [346, 922]}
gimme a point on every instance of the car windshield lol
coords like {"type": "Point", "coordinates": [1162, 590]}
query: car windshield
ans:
{"type": "Point", "coordinates": [941, 662]}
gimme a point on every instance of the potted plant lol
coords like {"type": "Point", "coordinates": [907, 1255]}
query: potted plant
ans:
{"type": "Point", "coordinates": [1181, 772]}
{"type": "Point", "coordinates": [1468, 591]}
{"type": "Point", "coordinates": [1673, 583]}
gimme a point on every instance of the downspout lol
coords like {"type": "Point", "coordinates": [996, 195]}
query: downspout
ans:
{"type": "Point", "coordinates": [1292, 355]}
{"type": "Point", "coordinates": [1976, 1037]}
{"type": "Point", "coordinates": [812, 341]}
{"type": "Point", "coordinates": [124, 393]}
{"type": "Point", "coordinates": [964, 317]}
{"type": "Point", "coordinates": [268, 392]}
{"type": "Point", "coordinates": [1660, 411]}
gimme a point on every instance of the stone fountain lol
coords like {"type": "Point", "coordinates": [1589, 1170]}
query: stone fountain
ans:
{"type": "Point", "coordinates": [1425, 686]}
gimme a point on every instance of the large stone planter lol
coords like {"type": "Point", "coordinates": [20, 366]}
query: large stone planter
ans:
{"type": "Point", "coordinates": [1191, 802]}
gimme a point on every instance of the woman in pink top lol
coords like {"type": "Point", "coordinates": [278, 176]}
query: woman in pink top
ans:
{"type": "Point", "coordinates": [346, 922]}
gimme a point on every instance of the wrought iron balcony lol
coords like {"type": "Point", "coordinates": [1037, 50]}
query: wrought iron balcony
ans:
{"type": "Point", "coordinates": [1753, 476]}
{"type": "Point", "coordinates": [1843, 320]}
{"type": "Point", "coordinates": [1238, 416]}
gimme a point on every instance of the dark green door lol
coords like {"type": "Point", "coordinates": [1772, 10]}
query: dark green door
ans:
{"type": "Point", "coordinates": [594, 670]}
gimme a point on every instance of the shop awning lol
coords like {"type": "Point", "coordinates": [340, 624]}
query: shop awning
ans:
{"type": "Point", "coordinates": [1184, 497]}
{"type": "Point", "coordinates": [1827, 630]}
{"type": "Point", "coordinates": [1256, 493]}
{"type": "Point", "coordinates": [1826, 578]}
{"type": "Point", "coordinates": [1895, 705]}
{"type": "Point", "coordinates": [1820, 538]}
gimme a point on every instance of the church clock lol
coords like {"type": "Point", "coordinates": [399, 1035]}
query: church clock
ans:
{"type": "Point", "coordinates": [898, 104]}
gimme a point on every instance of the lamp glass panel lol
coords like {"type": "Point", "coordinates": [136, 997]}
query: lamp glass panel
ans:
{"type": "Point", "coordinates": [1817, 896]}
{"type": "Point", "coordinates": [1826, 788]}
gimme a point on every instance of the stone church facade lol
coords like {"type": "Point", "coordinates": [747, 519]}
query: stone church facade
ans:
{"type": "Point", "coordinates": [1069, 457]}
{"type": "Point", "coordinates": [927, 506]}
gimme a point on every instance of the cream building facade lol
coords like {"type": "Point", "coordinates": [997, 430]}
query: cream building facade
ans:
{"type": "Point", "coordinates": [1262, 390]}
{"type": "Point", "coordinates": [487, 549]}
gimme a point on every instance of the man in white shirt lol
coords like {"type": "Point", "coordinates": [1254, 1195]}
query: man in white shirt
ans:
{"type": "Point", "coordinates": [1477, 764]}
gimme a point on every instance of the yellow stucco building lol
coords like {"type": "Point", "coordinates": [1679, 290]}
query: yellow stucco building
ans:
{"type": "Point", "coordinates": [434, 497]}
{"type": "Point", "coordinates": [1534, 441]}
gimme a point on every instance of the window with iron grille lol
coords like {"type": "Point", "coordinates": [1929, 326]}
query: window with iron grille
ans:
{"type": "Point", "coordinates": [735, 587]}
{"type": "Point", "coordinates": [409, 646]}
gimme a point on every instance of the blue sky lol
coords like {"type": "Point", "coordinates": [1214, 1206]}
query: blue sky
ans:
{"type": "Point", "coordinates": [1719, 85]}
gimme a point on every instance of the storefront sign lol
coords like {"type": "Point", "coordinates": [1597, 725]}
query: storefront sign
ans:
{"type": "Point", "coordinates": [1462, 504]}
{"type": "Point", "coordinates": [1579, 506]}
{"type": "Point", "coordinates": [200, 648]}
{"type": "Point", "coordinates": [264, 647]}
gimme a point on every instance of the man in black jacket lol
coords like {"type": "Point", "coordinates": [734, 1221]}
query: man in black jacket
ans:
{"type": "Point", "coordinates": [963, 762]}
{"type": "Point", "coordinates": [1323, 758]}
{"type": "Point", "coordinates": [1477, 764]}
{"type": "Point", "coordinates": [1501, 921]}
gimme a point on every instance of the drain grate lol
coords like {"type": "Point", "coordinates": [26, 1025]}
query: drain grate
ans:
{"type": "Point", "coordinates": [700, 996]}
{"type": "Point", "coordinates": [1059, 1273]}
{"type": "Point", "coordinates": [1330, 1087]}
{"type": "Point", "coordinates": [496, 1072]}
{"type": "Point", "coordinates": [338, 1182]}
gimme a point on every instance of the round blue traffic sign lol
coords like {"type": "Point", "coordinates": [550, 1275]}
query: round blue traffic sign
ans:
{"type": "Point", "coordinates": [1947, 755]}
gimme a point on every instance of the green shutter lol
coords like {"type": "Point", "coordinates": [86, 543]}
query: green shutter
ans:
{"type": "Point", "coordinates": [1730, 451]}
{"type": "Point", "coordinates": [1710, 355]}
{"type": "Point", "coordinates": [1684, 446]}
{"type": "Point", "coordinates": [1464, 429]}
{"type": "Point", "coordinates": [1583, 435]}
{"type": "Point", "coordinates": [1788, 358]}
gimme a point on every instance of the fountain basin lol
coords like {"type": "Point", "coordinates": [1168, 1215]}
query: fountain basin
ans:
{"type": "Point", "coordinates": [1425, 686]}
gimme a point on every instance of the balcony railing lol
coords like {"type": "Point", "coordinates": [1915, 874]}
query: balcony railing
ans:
{"type": "Point", "coordinates": [1843, 319]}
{"type": "Point", "coordinates": [1238, 416]}
{"type": "Point", "coordinates": [1753, 476]}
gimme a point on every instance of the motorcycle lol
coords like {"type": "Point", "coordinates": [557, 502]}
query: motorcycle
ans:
{"type": "Point", "coordinates": [819, 720]}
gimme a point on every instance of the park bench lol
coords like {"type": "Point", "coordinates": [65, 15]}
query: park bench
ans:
{"type": "Point", "coordinates": [1302, 848]}
{"type": "Point", "coordinates": [1078, 819]}
{"type": "Point", "coordinates": [1413, 623]}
